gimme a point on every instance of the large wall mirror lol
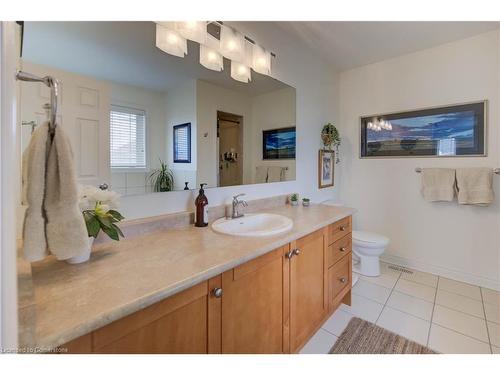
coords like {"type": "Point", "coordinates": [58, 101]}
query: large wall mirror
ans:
{"type": "Point", "coordinates": [134, 112]}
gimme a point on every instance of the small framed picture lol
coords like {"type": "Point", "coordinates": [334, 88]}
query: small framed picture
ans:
{"type": "Point", "coordinates": [326, 168]}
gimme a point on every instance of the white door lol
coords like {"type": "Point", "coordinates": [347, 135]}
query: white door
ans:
{"type": "Point", "coordinates": [83, 112]}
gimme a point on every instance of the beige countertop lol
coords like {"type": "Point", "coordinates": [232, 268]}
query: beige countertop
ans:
{"type": "Point", "coordinates": [126, 276]}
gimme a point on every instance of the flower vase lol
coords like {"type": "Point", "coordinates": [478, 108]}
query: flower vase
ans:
{"type": "Point", "coordinates": [83, 257]}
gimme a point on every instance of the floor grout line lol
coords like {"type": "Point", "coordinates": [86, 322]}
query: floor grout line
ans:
{"type": "Point", "coordinates": [389, 296]}
{"type": "Point", "coordinates": [432, 314]}
{"type": "Point", "coordinates": [485, 320]}
{"type": "Point", "coordinates": [461, 333]}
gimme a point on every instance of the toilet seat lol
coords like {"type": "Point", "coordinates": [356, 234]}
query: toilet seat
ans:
{"type": "Point", "coordinates": [369, 239]}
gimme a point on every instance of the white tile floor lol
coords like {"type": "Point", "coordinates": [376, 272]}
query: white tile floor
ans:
{"type": "Point", "coordinates": [446, 315]}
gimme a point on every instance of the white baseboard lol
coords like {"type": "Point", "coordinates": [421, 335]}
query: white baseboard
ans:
{"type": "Point", "coordinates": [443, 271]}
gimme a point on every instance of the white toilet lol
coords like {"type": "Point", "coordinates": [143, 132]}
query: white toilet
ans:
{"type": "Point", "coordinates": [368, 247]}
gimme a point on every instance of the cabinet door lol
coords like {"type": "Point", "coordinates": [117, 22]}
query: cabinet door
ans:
{"type": "Point", "coordinates": [252, 305]}
{"type": "Point", "coordinates": [308, 287]}
{"type": "Point", "coordinates": [178, 324]}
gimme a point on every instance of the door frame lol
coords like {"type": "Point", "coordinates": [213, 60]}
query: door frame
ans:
{"type": "Point", "coordinates": [9, 186]}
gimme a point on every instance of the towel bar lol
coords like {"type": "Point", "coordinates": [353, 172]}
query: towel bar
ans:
{"type": "Point", "coordinates": [495, 170]}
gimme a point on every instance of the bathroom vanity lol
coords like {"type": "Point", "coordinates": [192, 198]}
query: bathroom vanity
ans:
{"type": "Point", "coordinates": [192, 290]}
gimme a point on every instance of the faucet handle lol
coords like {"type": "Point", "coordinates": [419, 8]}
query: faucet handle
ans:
{"type": "Point", "coordinates": [235, 197]}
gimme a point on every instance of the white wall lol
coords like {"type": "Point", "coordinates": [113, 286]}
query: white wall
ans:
{"type": "Point", "coordinates": [461, 242]}
{"type": "Point", "coordinates": [316, 83]}
{"type": "Point", "coordinates": [210, 99]}
{"type": "Point", "coordinates": [271, 110]}
{"type": "Point", "coordinates": [153, 103]}
{"type": "Point", "coordinates": [181, 109]}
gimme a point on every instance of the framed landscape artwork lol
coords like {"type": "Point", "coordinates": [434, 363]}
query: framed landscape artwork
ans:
{"type": "Point", "coordinates": [326, 168]}
{"type": "Point", "coordinates": [454, 130]}
{"type": "Point", "coordinates": [278, 143]}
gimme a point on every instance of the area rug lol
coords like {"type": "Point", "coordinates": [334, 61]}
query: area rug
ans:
{"type": "Point", "coordinates": [362, 337]}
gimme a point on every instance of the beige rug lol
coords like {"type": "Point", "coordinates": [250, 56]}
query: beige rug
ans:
{"type": "Point", "coordinates": [362, 337]}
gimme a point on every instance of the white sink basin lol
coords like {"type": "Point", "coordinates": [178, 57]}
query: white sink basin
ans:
{"type": "Point", "coordinates": [253, 225]}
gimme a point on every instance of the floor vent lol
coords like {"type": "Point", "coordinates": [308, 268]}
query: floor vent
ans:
{"type": "Point", "coordinates": [402, 269]}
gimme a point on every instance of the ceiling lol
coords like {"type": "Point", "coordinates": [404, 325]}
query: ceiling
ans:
{"type": "Point", "coordinates": [125, 52]}
{"type": "Point", "coordinates": [351, 44]}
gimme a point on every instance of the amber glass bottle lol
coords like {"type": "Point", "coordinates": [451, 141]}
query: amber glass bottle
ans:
{"type": "Point", "coordinates": [201, 203]}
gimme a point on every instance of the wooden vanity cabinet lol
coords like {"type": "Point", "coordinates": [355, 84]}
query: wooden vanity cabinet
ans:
{"type": "Point", "coordinates": [271, 304]}
{"type": "Point", "coordinates": [308, 287]}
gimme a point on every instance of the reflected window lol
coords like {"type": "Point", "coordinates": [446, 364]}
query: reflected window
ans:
{"type": "Point", "coordinates": [182, 143]}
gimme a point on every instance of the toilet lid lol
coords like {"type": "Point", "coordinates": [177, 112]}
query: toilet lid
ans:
{"type": "Point", "coordinates": [369, 237]}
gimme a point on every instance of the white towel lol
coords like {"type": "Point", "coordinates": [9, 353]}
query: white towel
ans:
{"type": "Point", "coordinates": [275, 174]}
{"type": "Point", "coordinates": [34, 160]}
{"type": "Point", "coordinates": [475, 186]}
{"type": "Point", "coordinates": [67, 234]}
{"type": "Point", "coordinates": [438, 184]}
{"type": "Point", "coordinates": [53, 221]}
{"type": "Point", "coordinates": [261, 174]}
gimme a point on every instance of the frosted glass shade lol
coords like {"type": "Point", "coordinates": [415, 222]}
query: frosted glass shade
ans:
{"type": "Point", "coordinates": [261, 60]}
{"type": "Point", "coordinates": [170, 41]}
{"type": "Point", "coordinates": [192, 30]}
{"type": "Point", "coordinates": [210, 58]}
{"type": "Point", "coordinates": [240, 72]}
{"type": "Point", "coordinates": [232, 44]}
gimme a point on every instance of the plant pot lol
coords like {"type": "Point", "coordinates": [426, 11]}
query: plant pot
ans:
{"type": "Point", "coordinates": [84, 257]}
{"type": "Point", "coordinates": [294, 203]}
{"type": "Point", "coordinates": [305, 203]}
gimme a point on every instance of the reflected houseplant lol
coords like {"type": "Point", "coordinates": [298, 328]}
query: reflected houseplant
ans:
{"type": "Point", "coordinates": [99, 212]}
{"type": "Point", "coordinates": [162, 179]}
{"type": "Point", "coordinates": [331, 137]}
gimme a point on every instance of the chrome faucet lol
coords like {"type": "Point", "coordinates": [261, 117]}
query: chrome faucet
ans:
{"type": "Point", "coordinates": [236, 203]}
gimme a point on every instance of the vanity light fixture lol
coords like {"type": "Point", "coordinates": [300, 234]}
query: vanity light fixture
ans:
{"type": "Point", "coordinates": [210, 58]}
{"type": "Point", "coordinates": [192, 30]}
{"type": "Point", "coordinates": [169, 41]}
{"type": "Point", "coordinates": [216, 42]}
{"type": "Point", "coordinates": [240, 72]}
{"type": "Point", "coordinates": [379, 125]}
{"type": "Point", "coordinates": [232, 44]}
{"type": "Point", "coordinates": [261, 60]}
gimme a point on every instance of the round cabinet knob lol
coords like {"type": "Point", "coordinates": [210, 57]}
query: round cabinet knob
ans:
{"type": "Point", "coordinates": [217, 292]}
{"type": "Point", "coordinates": [342, 280]}
{"type": "Point", "coordinates": [342, 228]}
{"type": "Point", "coordinates": [296, 252]}
{"type": "Point", "coordinates": [289, 254]}
{"type": "Point", "coordinates": [342, 249]}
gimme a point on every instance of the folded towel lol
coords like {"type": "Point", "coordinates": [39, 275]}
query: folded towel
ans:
{"type": "Point", "coordinates": [275, 174]}
{"type": "Point", "coordinates": [34, 160]}
{"type": "Point", "coordinates": [438, 184]}
{"type": "Point", "coordinates": [475, 186]}
{"type": "Point", "coordinates": [66, 230]}
{"type": "Point", "coordinates": [261, 174]}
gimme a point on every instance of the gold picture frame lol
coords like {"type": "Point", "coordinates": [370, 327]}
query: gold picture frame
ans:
{"type": "Point", "coordinates": [326, 168]}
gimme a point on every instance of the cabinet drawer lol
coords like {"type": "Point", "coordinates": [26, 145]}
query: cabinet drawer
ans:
{"type": "Point", "coordinates": [339, 229]}
{"type": "Point", "coordinates": [338, 249]}
{"type": "Point", "coordinates": [340, 277]}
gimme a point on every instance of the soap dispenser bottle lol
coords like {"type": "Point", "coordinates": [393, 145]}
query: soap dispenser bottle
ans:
{"type": "Point", "coordinates": [201, 203]}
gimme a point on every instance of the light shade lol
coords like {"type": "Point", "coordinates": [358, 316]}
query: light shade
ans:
{"type": "Point", "coordinates": [261, 60]}
{"type": "Point", "coordinates": [210, 58]}
{"type": "Point", "coordinates": [240, 72]}
{"type": "Point", "coordinates": [170, 41]}
{"type": "Point", "coordinates": [232, 44]}
{"type": "Point", "coordinates": [192, 30]}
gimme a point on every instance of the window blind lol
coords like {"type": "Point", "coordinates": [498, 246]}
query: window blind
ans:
{"type": "Point", "coordinates": [127, 137]}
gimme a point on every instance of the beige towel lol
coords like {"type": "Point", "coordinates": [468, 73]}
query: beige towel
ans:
{"type": "Point", "coordinates": [275, 174]}
{"type": "Point", "coordinates": [66, 231]}
{"type": "Point", "coordinates": [438, 184]}
{"type": "Point", "coordinates": [34, 159]}
{"type": "Point", "coordinates": [475, 186]}
{"type": "Point", "coordinates": [261, 174]}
